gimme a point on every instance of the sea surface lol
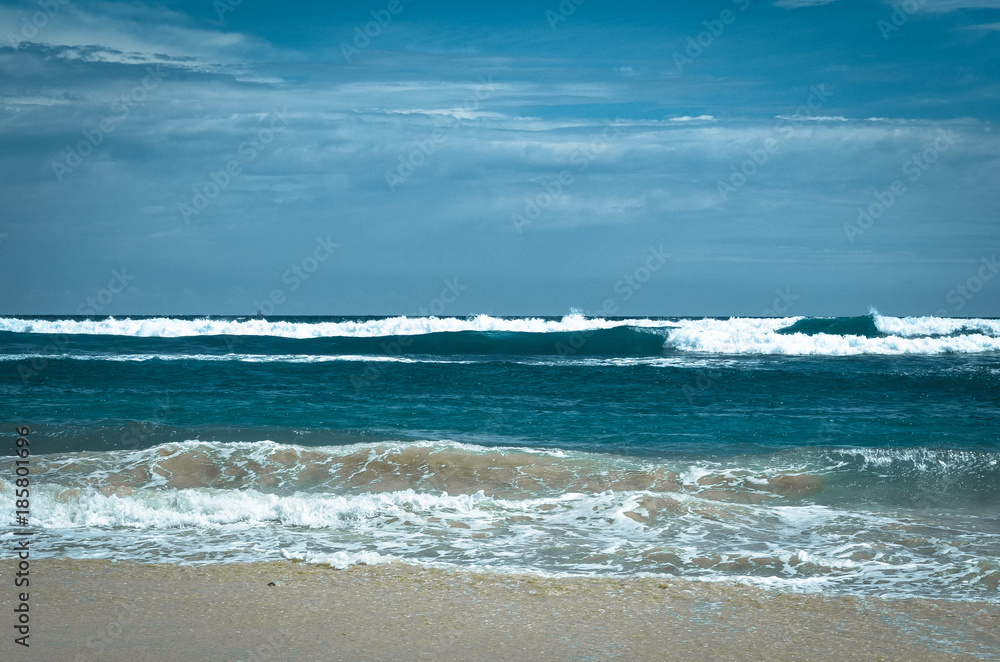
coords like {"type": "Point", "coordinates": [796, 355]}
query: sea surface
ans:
{"type": "Point", "coordinates": [856, 456]}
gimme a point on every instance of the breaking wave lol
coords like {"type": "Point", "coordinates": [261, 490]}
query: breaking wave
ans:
{"type": "Point", "coordinates": [794, 518]}
{"type": "Point", "coordinates": [572, 335]}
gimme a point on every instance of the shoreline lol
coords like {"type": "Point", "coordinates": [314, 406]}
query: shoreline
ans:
{"type": "Point", "coordinates": [84, 610]}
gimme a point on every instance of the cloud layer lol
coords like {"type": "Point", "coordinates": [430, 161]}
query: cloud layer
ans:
{"type": "Point", "coordinates": [206, 154]}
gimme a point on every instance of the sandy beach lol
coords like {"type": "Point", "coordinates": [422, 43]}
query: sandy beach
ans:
{"type": "Point", "coordinates": [100, 610]}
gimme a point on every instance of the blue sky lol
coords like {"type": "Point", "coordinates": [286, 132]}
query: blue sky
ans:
{"type": "Point", "coordinates": [795, 157]}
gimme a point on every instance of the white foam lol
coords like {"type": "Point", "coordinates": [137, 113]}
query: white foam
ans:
{"type": "Point", "coordinates": [53, 508]}
{"type": "Point", "coordinates": [241, 358]}
{"type": "Point", "coordinates": [758, 336]}
{"type": "Point", "coordinates": [342, 559]}
{"type": "Point", "coordinates": [163, 327]}
{"type": "Point", "coordinates": [927, 460]}
{"type": "Point", "coordinates": [906, 327]}
{"type": "Point", "coordinates": [734, 336]}
{"type": "Point", "coordinates": [567, 534]}
{"type": "Point", "coordinates": [804, 517]}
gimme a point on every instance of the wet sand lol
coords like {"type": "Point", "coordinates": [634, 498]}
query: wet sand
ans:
{"type": "Point", "coordinates": [84, 611]}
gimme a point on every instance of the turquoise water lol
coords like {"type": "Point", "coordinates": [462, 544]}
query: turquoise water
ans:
{"type": "Point", "coordinates": [850, 455]}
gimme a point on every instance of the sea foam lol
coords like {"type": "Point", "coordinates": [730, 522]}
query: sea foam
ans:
{"type": "Point", "coordinates": [733, 336]}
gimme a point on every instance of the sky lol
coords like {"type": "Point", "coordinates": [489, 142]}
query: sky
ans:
{"type": "Point", "coordinates": [405, 157]}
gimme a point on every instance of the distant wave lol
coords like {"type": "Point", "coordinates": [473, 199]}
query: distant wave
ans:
{"type": "Point", "coordinates": [484, 335]}
{"type": "Point", "coordinates": [166, 327]}
{"type": "Point", "coordinates": [837, 336]}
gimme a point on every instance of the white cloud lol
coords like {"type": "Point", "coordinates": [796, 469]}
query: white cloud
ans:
{"type": "Point", "coordinates": [813, 118]}
{"type": "Point", "coordinates": [797, 4]}
{"type": "Point", "coordinates": [943, 6]}
{"type": "Point", "coordinates": [457, 113]}
{"type": "Point", "coordinates": [131, 34]}
{"type": "Point", "coordinates": [33, 101]}
{"type": "Point", "coordinates": [934, 6]}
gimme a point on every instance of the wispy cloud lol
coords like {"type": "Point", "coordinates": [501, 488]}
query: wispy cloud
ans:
{"type": "Point", "coordinates": [812, 118]}
{"type": "Point", "coordinates": [797, 4]}
{"type": "Point", "coordinates": [131, 33]}
{"type": "Point", "coordinates": [935, 6]}
{"type": "Point", "coordinates": [944, 6]}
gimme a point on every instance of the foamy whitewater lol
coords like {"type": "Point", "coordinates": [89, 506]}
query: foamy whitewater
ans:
{"type": "Point", "coordinates": [872, 334]}
{"type": "Point", "coordinates": [846, 455]}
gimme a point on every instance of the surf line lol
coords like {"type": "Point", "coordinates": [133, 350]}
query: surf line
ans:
{"type": "Point", "coordinates": [22, 541]}
{"type": "Point", "coordinates": [626, 286]}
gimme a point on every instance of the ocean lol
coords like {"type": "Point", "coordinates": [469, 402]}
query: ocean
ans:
{"type": "Point", "coordinates": [853, 456]}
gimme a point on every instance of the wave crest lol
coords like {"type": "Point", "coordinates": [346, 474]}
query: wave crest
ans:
{"type": "Point", "coordinates": [571, 335]}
